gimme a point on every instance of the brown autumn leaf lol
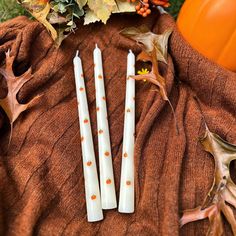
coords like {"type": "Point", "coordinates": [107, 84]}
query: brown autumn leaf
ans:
{"type": "Point", "coordinates": [40, 10]}
{"type": "Point", "coordinates": [10, 104]}
{"type": "Point", "coordinates": [154, 49]}
{"type": "Point", "coordinates": [154, 76]}
{"type": "Point", "coordinates": [150, 41]}
{"type": "Point", "coordinates": [223, 190]}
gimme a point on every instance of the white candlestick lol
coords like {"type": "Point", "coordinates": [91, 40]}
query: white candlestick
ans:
{"type": "Point", "coordinates": [108, 194]}
{"type": "Point", "coordinates": [126, 201]}
{"type": "Point", "coordinates": [92, 192]}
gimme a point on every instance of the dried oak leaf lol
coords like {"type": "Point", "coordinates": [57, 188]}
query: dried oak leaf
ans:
{"type": "Point", "coordinates": [154, 49]}
{"type": "Point", "coordinates": [10, 104]}
{"type": "Point", "coordinates": [223, 190]}
{"type": "Point", "coordinates": [150, 41]}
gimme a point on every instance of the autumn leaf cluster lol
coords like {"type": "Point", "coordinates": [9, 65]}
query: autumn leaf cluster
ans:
{"type": "Point", "coordinates": [60, 16]}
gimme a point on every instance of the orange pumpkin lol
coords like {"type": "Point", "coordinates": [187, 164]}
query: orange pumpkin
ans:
{"type": "Point", "coordinates": [210, 27]}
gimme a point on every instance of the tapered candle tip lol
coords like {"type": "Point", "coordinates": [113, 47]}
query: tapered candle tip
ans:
{"type": "Point", "coordinates": [96, 45]}
{"type": "Point", "coordinates": [130, 51]}
{"type": "Point", "coordinates": [77, 53]}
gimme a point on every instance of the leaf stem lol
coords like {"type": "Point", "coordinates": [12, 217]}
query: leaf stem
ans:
{"type": "Point", "coordinates": [10, 136]}
{"type": "Point", "coordinates": [175, 120]}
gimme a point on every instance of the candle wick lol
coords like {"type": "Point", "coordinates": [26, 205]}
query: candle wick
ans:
{"type": "Point", "coordinates": [130, 51]}
{"type": "Point", "coordinates": [96, 45]}
{"type": "Point", "coordinates": [77, 53]}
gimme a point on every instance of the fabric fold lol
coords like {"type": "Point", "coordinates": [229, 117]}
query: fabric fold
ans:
{"type": "Point", "coordinates": [41, 178]}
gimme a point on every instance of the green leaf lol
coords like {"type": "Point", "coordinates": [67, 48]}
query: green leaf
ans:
{"type": "Point", "coordinates": [78, 12]}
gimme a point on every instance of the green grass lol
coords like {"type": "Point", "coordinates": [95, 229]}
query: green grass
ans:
{"type": "Point", "coordinates": [10, 9]}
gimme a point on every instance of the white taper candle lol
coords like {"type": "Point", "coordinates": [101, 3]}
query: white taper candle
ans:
{"type": "Point", "coordinates": [126, 200]}
{"type": "Point", "coordinates": [92, 192]}
{"type": "Point", "coordinates": [108, 194]}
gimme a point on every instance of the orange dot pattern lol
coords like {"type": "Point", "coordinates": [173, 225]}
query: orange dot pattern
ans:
{"type": "Point", "coordinates": [125, 154]}
{"type": "Point", "coordinates": [107, 154]}
{"type": "Point", "coordinates": [128, 110]}
{"type": "Point", "coordinates": [100, 131]}
{"type": "Point", "coordinates": [128, 182]}
{"type": "Point", "coordinates": [89, 163]}
{"type": "Point", "coordinates": [100, 103]}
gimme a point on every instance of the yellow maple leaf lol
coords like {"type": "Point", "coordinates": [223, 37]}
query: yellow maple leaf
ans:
{"type": "Point", "coordinates": [102, 8]}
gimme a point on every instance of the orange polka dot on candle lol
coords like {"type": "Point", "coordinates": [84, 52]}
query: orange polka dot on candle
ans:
{"type": "Point", "coordinates": [100, 131]}
{"type": "Point", "coordinates": [97, 109]}
{"type": "Point", "coordinates": [107, 153]}
{"type": "Point", "coordinates": [125, 154]}
{"type": "Point", "coordinates": [108, 181]}
{"type": "Point", "coordinates": [128, 110]}
{"type": "Point", "coordinates": [81, 89]}
{"type": "Point", "coordinates": [82, 138]}
{"type": "Point", "coordinates": [128, 182]}
{"type": "Point", "coordinates": [93, 197]}
{"type": "Point", "coordinates": [100, 76]}
{"type": "Point", "coordinates": [86, 121]}
{"type": "Point", "coordinates": [104, 98]}
{"type": "Point", "coordinates": [89, 163]}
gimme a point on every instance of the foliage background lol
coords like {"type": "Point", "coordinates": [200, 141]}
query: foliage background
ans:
{"type": "Point", "coordinates": [175, 7]}
{"type": "Point", "coordinates": [10, 9]}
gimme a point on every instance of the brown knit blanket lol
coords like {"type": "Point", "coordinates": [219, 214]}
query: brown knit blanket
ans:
{"type": "Point", "coordinates": [41, 177]}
